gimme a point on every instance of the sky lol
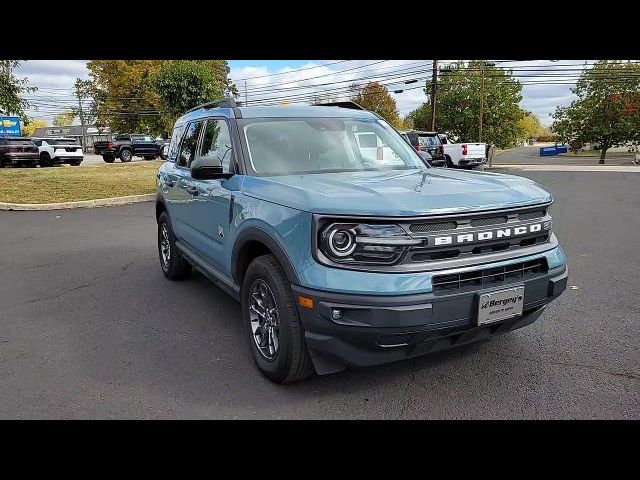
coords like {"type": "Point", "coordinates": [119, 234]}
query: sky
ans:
{"type": "Point", "coordinates": [261, 78]}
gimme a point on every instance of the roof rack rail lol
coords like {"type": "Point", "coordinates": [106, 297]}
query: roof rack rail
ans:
{"type": "Point", "coordinates": [351, 105]}
{"type": "Point", "coordinates": [226, 102]}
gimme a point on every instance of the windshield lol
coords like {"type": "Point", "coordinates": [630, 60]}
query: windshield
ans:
{"type": "Point", "coordinates": [317, 145]}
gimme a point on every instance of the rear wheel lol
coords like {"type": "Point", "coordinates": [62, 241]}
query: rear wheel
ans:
{"type": "Point", "coordinates": [149, 157]}
{"type": "Point", "coordinates": [74, 164]}
{"type": "Point", "coordinates": [269, 311]}
{"type": "Point", "coordinates": [174, 266]}
{"type": "Point", "coordinates": [45, 160]}
{"type": "Point", "coordinates": [125, 156]}
{"type": "Point", "coordinates": [108, 158]}
{"type": "Point", "coordinates": [448, 161]}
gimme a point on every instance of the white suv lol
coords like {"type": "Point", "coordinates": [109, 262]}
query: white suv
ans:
{"type": "Point", "coordinates": [59, 150]}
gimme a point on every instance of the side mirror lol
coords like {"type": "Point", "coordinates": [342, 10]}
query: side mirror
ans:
{"type": "Point", "coordinates": [207, 168]}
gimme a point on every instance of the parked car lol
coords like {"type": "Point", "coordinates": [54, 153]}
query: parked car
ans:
{"type": "Point", "coordinates": [125, 147]}
{"type": "Point", "coordinates": [59, 150]}
{"type": "Point", "coordinates": [463, 155]}
{"type": "Point", "coordinates": [342, 260]}
{"type": "Point", "coordinates": [429, 142]}
{"type": "Point", "coordinates": [19, 151]}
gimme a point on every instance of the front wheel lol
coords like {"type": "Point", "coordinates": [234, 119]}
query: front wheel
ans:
{"type": "Point", "coordinates": [269, 311]}
{"type": "Point", "coordinates": [108, 158]}
{"type": "Point", "coordinates": [149, 158]}
{"type": "Point", "coordinates": [174, 266]}
{"type": "Point", "coordinates": [125, 156]}
{"type": "Point", "coordinates": [45, 160]}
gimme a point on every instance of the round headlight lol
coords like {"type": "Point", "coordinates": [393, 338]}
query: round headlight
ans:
{"type": "Point", "coordinates": [342, 242]}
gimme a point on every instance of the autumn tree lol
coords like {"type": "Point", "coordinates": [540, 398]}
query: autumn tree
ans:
{"type": "Point", "coordinates": [376, 98]}
{"type": "Point", "coordinates": [462, 88]}
{"type": "Point", "coordinates": [607, 110]}
{"type": "Point", "coordinates": [530, 126]}
{"type": "Point", "coordinates": [122, 95]}
{"type": "Point", "coordinates": [64, 119]}
{"type": "Point", "coordinates": [28, 129]}
{"type": "Point", "coordinates": [12, 90]}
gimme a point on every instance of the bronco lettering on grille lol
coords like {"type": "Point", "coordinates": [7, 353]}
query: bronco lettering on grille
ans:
{"type": "Point", "coordinates": [486, 235]}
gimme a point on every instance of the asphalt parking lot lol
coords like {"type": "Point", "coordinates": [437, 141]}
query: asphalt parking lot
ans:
{"type": "Point", "coordinates": [89, 328]}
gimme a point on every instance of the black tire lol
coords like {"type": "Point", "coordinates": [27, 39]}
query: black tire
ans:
{"type": "Point", "coordinates": [150, 157]}
{"type": "Point", "coordinates": [33, 164]}
{"type": "Point", "coordinates": [176, 268]}
{"type": "Point", "coordinates": [162, 156]}
{"type": "Point", "coordinates": [291, 361]}
{"type": "Point", "coordinates": [45, 160]}
{"type": "Point", "coordinates": [108, 158]}
{"type": "Point", "coordinates": [125, 156]}
{"type": "Point", "coordinates": [74, 164]}
{"type": "Point", "coordinates": [448, 162]}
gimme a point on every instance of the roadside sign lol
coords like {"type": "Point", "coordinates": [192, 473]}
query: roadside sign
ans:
{"type": "Point", "coordinates": [9, 126]}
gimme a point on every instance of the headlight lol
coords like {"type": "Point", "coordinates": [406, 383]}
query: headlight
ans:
{"type": "Point", "coordinates": [364, 244]}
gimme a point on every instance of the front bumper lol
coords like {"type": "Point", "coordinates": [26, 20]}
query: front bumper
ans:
{"type": "Point", "coordinates": [376, 329]}
{"type": "Point", "coordinates": [67, 158]}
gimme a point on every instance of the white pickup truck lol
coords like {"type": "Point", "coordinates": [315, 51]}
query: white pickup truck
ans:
{"type": "Point", "coordinates": [463, 155]}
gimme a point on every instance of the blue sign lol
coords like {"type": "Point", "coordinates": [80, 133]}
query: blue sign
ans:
{"type": "Point", "coordinates": [9, 126]}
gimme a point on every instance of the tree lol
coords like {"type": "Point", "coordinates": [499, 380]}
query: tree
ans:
{"type": "Point", "coordinates": [184, 84]}
{"type": "Point", "coordinates": [607, 110]}
{"type": "Point", "coordinates": [64, 119]}
{"type": "Point", "coordinates": [458, 101]}
{"type": "Point", "coordinates": [376, 97]}
{"type": "Point", "coordinates": [29, 128]}
{"type": "Point", "coordinates": [530, 126]}
{"type": "Point", "coordinates": [11, 91]}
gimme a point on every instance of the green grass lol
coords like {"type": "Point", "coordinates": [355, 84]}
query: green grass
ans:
{"type": "Point", "coordinates": [65, 183]}
{"type": "Point", "coordinates": [596, 153]}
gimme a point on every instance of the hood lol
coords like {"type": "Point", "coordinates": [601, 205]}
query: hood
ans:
{"type": "Point", "coordinates": [396, 193]}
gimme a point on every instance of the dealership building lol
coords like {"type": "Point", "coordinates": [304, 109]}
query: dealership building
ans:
{"type": "Point", "coordinates": [92, 134]}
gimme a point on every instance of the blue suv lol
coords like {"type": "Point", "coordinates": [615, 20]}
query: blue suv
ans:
{"type": "Point", "coordinates": [348, 252]}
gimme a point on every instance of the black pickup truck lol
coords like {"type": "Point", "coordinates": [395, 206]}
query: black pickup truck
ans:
{"type": "Point", "coordinates": [125, 147]}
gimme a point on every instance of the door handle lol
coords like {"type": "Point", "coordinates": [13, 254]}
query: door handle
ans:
{"type": "Point", "coordinates": [192, 189]}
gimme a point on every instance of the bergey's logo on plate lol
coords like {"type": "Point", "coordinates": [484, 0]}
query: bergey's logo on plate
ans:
{"type": "Point", "coordinates": [502, 302]}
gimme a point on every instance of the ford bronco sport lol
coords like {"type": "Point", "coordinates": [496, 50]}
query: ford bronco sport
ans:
{"type": "Point", "coordinates": [340, 259]}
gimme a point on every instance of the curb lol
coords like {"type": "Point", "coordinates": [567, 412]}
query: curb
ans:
{"type": "Point", "coordinates": [100, 202]}
{"type": "Point", "coordinates": [568, 168]}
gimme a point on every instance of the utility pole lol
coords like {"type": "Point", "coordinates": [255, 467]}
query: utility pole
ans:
{"type": "Point", "coordinates": [81, 115]}
{"type": "Point", "coordinates": [481, 101]}
{"type": "Point", "coordinates": [246, 102]}
{"type": "Point", "coordinates": [434, 80]}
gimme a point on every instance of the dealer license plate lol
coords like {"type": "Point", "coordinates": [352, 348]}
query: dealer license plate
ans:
{"type": "Point", "coordinates": [500, 305]}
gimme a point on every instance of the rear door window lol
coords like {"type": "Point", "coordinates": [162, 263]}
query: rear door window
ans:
{"type": "Point", "coordinates": [189, 144]}
{"type": "Point", "coordinates": [217, 141]}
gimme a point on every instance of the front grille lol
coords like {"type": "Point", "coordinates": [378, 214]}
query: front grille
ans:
{"type": "Point", "coordinates": [491, 276]}
{"type": "Point", "coordinates": [432, 227]}
{"type": "Point", "coordinates": [483, 222]}
{"type": "Point", "coordinates": [532, 215]}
